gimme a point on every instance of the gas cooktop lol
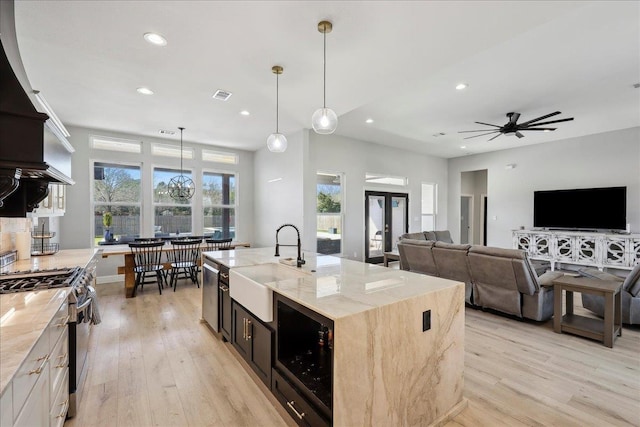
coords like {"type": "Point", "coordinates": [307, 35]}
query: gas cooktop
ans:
{"type": "Point", "coordinates": [22, 281]}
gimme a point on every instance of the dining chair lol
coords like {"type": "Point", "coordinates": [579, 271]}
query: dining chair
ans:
{"type": "Point", "coordinates": [184, 260]}
{"type": "Point", "coordinates": [147, 259]}
{"type": "Point", "coordinates": [218, 244]}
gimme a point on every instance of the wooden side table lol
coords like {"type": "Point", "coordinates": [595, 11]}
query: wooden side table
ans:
{"type": "Point", "coordinates": [600, 329]}
{"type": "Point", "coordinates": [390, 256]}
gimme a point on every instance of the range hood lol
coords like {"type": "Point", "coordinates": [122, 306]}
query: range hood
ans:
{"type": "Point", "coordinates": [24, 174]}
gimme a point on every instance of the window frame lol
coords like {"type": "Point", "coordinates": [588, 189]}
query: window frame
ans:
{"type": "Point", "coordinates": [343, 198]}
{"type": "Point", "coordinates": [434, 214]}
{"type": "Point", "coordinates": [155, 204]}
{"type": "Point", "coordinates": [236, 200]}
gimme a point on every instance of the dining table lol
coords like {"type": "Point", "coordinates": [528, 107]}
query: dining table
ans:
{"type": "Point", "coordinates": [129, 264]}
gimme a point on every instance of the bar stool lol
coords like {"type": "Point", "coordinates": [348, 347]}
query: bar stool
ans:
{"type": "Point", "coordinates": [184, 260]}
{"type": "Point", "coordinates": [218, 244]}
{"type": "Point", "coordinates": [147, 259]}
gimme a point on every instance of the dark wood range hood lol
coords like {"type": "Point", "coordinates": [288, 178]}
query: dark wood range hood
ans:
{"type": "Point", "coordinates": [24, 174]}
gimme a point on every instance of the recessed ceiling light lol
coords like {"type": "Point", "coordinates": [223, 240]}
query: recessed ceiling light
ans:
{"type": "Point", "coordinates": [155, 38]}
{"type": "Point", "coordinates": [145, 91]}
{"type": "Point", "coordinates": [463, 146]}
{"type": "Point", "coordinates": [462, 86]}
{"type": "Point", "coordinates": [245, 113]}
{"type": "Point", "coordinates": [369, 121]}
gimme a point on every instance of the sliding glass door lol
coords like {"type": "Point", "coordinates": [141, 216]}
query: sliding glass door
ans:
{"type": "Point", "coordinates": [386, 218]}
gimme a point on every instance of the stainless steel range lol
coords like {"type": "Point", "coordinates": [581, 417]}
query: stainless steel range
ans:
{"type": "Point", "coordinates": [79, 323]}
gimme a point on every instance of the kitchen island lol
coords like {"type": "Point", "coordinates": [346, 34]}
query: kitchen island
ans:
{"type": "Point", "coordinates": [396, 351]}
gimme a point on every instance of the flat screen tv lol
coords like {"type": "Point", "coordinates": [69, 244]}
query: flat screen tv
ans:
{"type": "Point", "coordinates": [581, 209]}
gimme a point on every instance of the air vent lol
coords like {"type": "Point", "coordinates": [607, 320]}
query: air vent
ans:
{"type": "Point", "coordinates": [439, 134]}
{"type": "Point", "coordinates": [222, 95]}
{"type": "Point", "coordinates": [166, 132]}
{"type": "Point", "coordinates": [637, 85]}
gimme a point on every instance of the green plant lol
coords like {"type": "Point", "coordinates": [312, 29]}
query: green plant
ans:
{"type": "Point", "coordinates": [107, 219]}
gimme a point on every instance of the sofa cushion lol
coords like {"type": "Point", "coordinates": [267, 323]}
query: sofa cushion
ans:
{"type": "Point", "coordinates": [430, 235]}
{"type": "Point", "coordinates": [632, 282]}
{"type": "Point", "coordinates": [416, 256]}
{"type": "Point", "coordinates": [413, 236]}
{"type": "Point", "coordinates": [498, 252]}
{"type": "Point", "coordinates": [443, 236]}
{"type": "Point", "coordinates": [451, 261]}
{"type": "Point", "coordinates": [446, 245]}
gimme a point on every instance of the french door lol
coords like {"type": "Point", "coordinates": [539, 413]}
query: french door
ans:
{"type": "Point", "coordinates": [386, 218]}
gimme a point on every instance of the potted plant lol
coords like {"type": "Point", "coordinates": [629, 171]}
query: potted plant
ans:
{"type": "Point", "coordinates": [107, 219]}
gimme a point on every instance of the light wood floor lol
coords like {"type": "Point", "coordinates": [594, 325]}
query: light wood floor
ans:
{"type": "Point", "coordinates": [152, 363]}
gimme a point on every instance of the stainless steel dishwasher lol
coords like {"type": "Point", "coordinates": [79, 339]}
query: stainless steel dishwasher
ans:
{"type": "Point", "coordinates": [210, 293]}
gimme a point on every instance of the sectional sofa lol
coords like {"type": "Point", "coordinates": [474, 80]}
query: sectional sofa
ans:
{"type": "Point", "coordinates": [495, 278]}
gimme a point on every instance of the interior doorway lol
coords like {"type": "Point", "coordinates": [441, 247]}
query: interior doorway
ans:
{"type": "Point", "coordinates": [466, 218]}
{"type": "Point", "coordinates": [386, 219]}
{"type": "Point", "coordinates": [474, 210]}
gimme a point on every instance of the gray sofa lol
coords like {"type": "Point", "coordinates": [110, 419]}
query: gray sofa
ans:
{"type": "Point", "coordinates": [495, 278]}
{"type": "Point", "coordinates": [438, 235]}
{"type": "Point", "coordinates": [630, 296]}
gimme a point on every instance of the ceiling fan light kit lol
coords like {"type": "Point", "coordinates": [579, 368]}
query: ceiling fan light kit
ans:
{"type": "Point", "coordinates": [515, 128]}
{"type": "Point", "coordinates": [324, 121]}
{"type": "Point", "coordinates": [277, 142]}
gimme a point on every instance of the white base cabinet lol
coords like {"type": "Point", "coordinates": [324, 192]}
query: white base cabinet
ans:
{"type": "Point", "coordinates": [600, 250]}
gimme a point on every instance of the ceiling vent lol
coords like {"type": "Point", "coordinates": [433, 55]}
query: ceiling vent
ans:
{"type": "Point", "coordinates": [439, 134]}
{"type": "Point", "coordinates": [222, 95]}
{"type": "Point", "coordinates": [166, 132]}
{"type": "Point", "coordinates": [637, 85]}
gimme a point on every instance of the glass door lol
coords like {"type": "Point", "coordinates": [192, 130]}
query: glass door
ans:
{"type": "Point", "coordinates": [386, 218]}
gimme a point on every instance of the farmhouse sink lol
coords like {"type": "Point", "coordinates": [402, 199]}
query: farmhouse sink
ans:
{"type": "Point", "coordinates": [247, 286]}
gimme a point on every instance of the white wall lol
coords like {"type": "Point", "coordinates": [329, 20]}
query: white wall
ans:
{"type": "Point", "coordinates": [279, 202]}
{"type": "Point", "coordinates": [76, 226]}
{"type": "Point", "coordinates": [602, 160]}
{"type": "Point", "coordinates": [333, 153]}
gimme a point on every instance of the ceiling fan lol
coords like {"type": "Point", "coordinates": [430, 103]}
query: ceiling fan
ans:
{"type": "Point", "coordinates": [513, 126]}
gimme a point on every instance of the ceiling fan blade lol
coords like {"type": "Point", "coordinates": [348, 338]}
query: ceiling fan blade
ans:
{"type": "Point", "coordinates": [480, 130]}
{"type": "Point", "coordinates": [540, 118]}
{"type": "Point", "coordinates": [494, 137]}
{"type": "Point", "coordinates": [483, 134]}
{"type": "Point", "coordinates": [514, 118]}
{"type": "Point", "coordinates": [519, 135]}
{"type": "Point", "coordinates": [488, 124]}
{"type": "Point", "coordinates": [538, 129]}
{"type": "Point", "coordinates": [552, 121]}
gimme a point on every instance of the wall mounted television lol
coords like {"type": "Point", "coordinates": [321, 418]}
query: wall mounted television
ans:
{"type": "Point", "coordinates": [581, 209]}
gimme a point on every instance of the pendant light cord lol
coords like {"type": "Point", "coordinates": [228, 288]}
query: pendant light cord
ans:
{"type": "Point", "coordinates": [277, 101]}
{"type": "Point", "coordinates": [324, 62]}
{"type": "Point", "coordinates": [181, 129]}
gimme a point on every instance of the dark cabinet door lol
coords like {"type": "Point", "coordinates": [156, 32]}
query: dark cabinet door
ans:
{"type": "Point", "coordinates": [254, 342]}
{"type": "Point", "coordinates": [239, 331]}
{"type": "Point", "coordinates": [261, 347]}
{"type": "Point", "coordinates": [225, 311]}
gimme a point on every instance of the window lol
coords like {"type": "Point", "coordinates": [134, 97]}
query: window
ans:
{"type": "Point", "coordinates": [115, 144]}
{"type": "Point", "coordinates": [171, 217]}
{"type": "Point", "coordinates": [219, 204]}
{"type": "Point", "coordinates": [429, 199]}
{"type": "Point", "coordinates": [329, 213]}
{"type": "Point", "coordinates": [376, 178]}
{"type": "Point", "coordinates": [116, 189]}
{"type": "Point", "coordinates": [171, 151]}
{"type": "Point", "coordinates": [219, 157]}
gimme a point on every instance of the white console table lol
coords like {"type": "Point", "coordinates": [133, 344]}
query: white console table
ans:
{"type": "Point", "coordinates": [599, 250]}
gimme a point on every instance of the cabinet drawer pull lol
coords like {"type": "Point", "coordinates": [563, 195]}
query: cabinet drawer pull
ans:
{"type": "Point", "coordinates": [248, 329]}
{"type": "Point", "coordinates": [290, 405]}
{"type": "Point", "coordinates": [224, 288]}
{"type": "Point", "coordinates": [224, 275]}
{"type": "Point", "coordinates": [64, 411]}
{"type": "Point", "coordinates": [244, 328]}
{"type": "Point", "coordinates": [63, 323]}
{"type": "Point", "coordinates": [41, 367]}
{"type": "Point", "coordinates": [64, 362]}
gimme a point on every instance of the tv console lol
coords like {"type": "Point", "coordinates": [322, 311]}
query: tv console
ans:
{"type": "Point", "coordinates": [600, 250]}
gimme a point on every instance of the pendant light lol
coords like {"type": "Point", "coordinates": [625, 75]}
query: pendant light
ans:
{"type": "Point", "coordinates": [277, 142]}
{"type": "Point", "coordinates": [181, 188]}
{"type": "Point", "coordinates": [324, 120]}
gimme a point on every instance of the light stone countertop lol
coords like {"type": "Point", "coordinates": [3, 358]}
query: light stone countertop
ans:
{"type": "Point", "coordinates": [20, 330]}
{"type": "Point", "coordinates": [32, 310]}
{"type": "Point", "coordinates": [337, 287]}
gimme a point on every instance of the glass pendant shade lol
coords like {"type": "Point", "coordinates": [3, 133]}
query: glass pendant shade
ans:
{"type": "Point", "coordinates": [324, 121]}
{"type": "Point", "coordinates": [277, 143]}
